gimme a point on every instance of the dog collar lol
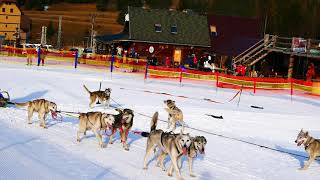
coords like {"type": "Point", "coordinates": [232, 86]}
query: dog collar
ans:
{"type": "Point", "coordinates": [307, 145]}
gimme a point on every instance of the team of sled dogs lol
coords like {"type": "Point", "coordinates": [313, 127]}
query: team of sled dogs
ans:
{"type": "Point", "coordinates": [167, 143]}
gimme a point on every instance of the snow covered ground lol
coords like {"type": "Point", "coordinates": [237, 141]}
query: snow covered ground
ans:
{"type": "Point", "coordinates": [30, 152]}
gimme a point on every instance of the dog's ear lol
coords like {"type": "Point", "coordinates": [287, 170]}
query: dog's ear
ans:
{"type": "Point", "coordinates": [205, 140]}
{"type": "Point", "coordinates": [119, 110]}
{"type": "Point", "coordinates": [301, 130]}
{"type": "Point", "coordinates": [307, 133]}
{"type": "Point", "coordinates": [181, 132]}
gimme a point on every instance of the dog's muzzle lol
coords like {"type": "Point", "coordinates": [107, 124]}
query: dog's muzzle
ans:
{"type": "Point", "coordinates": [202, 151]}
{"type": "Point", "coordinates": [299, 143]}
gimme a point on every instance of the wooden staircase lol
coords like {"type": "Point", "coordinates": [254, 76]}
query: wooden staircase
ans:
{"type": "Point", "coordinates": [256, 52]}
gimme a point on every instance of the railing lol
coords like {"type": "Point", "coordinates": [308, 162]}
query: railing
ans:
{"type": "Point", "coordinates": [254, 50]}
{"type": "Point", "coordinates": [244, 52]}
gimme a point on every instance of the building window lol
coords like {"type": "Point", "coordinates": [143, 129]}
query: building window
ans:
{"type": "Point", "coordinates": [6, 17]}
{"type": "Point", "coordinates": [6, 25]}
{"type": "Point", "coordinates": [157, 27]}
{"type": "Point", "coordinates": [3, 9]}
{"type": "Point", "coordinates": [213, 30]}
{"type": "Point", "coordinates": [174, 29]}
{"type": "Point", "coordinates": [11, 10]}
{"type": "Point", "coordinates": [5, 34]}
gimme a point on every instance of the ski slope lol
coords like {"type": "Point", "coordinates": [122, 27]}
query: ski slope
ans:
{"type": "Point", "coordinates": [30, 152]}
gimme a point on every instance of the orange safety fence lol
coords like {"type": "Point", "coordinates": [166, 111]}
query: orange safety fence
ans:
{"type": "Point", "coordinates": [221, 80]}
{"type": "Point", "coordinates": [122, 63]}
{"type": "Point", "coordinates": [294, 86]}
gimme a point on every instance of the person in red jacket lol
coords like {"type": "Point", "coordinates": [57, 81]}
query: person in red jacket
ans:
{"type": "Point", "coordinates": [241, 70]}
{"type": "Point", "coordinates": [167, 61]}
{"type": "Point", "coordinates": [195, 60]}
{"type": "Point", "coordinates": [310, 72]}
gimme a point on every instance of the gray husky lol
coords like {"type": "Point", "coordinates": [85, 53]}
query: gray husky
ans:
{"type": "Point", "coordinates": [95, 121]}
{"type": "Point", "coordinates": [198, 144]}
{"type": "Point", "coordinates": [174, 114]}
{"type": "Point", "coordinates": [311, 145]}
{"type": "Point", "coordinates": [173, 145]}
{"type": "Point", "coordinates": [102, 96]}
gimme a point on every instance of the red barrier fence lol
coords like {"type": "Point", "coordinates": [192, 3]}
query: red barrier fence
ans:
{"type": "Point", "coordinates": [139, 65]}
{"type": "Point", "coordinates": [230, 81]}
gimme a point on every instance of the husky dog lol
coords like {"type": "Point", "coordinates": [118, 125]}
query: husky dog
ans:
{"type": "Point", "coordinates": [123, 123]}
{"type": "Point", "coordinates": [42, 107]}
{"type": "Point", "coordinates": [197, 145]}
{"type": "Point", "coordinates": [311, 145]}
{"type": "Point", "coordinates": [174, 114]}
{"type": "Point", "coordinates": [102, 96]}
{"type": "Point", "coordinates": [95, 121]}
{"type": "Point", "coordinates": [173, 145]}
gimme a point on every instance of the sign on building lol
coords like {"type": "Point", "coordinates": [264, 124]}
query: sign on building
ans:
{"type": "Point", "coordinates": [299, 45]}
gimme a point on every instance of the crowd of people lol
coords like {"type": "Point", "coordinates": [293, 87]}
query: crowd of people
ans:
{"type": "Point", "coordinates": [206, 62]}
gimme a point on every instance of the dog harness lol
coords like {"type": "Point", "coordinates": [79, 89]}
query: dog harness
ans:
{"type": "Point", "coordinates": [307, 145]}
{"type": "Point", "coordinates": [167, 134]}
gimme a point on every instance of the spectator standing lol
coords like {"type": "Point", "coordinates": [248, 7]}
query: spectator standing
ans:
{"type": "Point", "coordinates": [310, 72]}
{"type": "Point", "coordinates": [29, 52]}
{"type": "Point", "coordinates": [167, 61]}
{"type": "Point", "coordinates": [119, 51]}
{"type": "Point", "coordinates": [43, 54]}
{"type": "Point", "coordinates": [195, 60]}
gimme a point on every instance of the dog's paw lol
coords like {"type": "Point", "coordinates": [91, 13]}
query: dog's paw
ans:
{"type": "Point", "coordinates": [110, 142]}
{"type": "Point", "coordinates": [45, 127]}
{"type": "Point", "coordinates": [302, 169]}
{"type": "Point", "coordinates": [102, 145]}
{"type": "Point", "coordinates": [29, 122]}
{"type": "Point", "coordinates": [170, 174]}
{"type": "Point", "coordinates": [145, 168]}
{"type": "Point", "coordinates": [126, 147]}
{"type": "Point", "coordinates": [78, 140]}
{"type": "Point", "coordinates": [192, 175]}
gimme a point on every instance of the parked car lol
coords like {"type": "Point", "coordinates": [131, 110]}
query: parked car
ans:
{"type": "Point", "coordinates": [88, 52]}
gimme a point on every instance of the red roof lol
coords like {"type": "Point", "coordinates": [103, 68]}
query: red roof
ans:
{"type": "Point", "coordinates": [234, 34]}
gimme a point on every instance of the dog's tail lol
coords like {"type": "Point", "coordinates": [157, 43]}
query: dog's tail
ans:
{"type": "Point", "coordinates": [153, 125]}
{"type": "Point", "coordinates": [22, 104]}
{"type": "Point", "coordinates": [85, 87]}
{"type": "Point", "coordinates": [154, 121]}
{"type": "Point", "coordinates": [143, 133]}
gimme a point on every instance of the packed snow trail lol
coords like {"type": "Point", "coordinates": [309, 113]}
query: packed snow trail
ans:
{"type": "Point", "coordinates": [29, 152]}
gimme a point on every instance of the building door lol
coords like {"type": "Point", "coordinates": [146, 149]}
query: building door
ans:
{"type": "Point", "coordinates": [177, 56]}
